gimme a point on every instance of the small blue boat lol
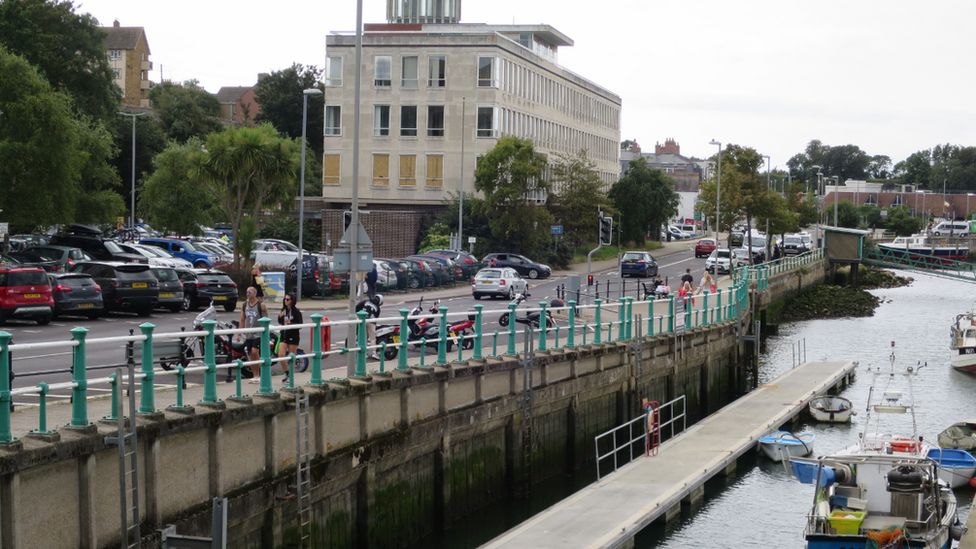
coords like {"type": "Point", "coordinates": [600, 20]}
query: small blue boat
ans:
{"type": "Point", "coordinates": [956, 467]}
{"type": "Point", "coordinates": [783, 445]}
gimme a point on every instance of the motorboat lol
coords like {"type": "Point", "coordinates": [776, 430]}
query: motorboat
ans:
{"type": "Point", "coordinates": [783, 445]}
{"type": "Point", "coordinates": [923, 245]}
{"type": "Point", "coordinates": [961, 435]}
{"type": "Point", "coordinates": [962, 341]}
{"type": "Point", "coordinates": [831, 409]}
{"type": "Point", "coordinates": [956, 467]}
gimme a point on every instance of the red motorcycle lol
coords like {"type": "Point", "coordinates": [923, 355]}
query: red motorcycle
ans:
{"type": "Point", "coordinates": [426, 329]}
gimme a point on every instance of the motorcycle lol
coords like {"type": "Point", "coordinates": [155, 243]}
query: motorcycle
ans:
{"type": "Point", "coordinates": [530, 319]}
{"type": "Point", "coordinates": [425, 328]}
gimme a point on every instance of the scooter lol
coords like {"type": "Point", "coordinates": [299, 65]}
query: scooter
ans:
{"type": "Point", "coordinates": [531, 319]}
{"type": "Point", "coordinates": [425, 328]}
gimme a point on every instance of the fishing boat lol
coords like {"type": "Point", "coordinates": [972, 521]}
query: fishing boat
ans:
{"type": "Point", "coordinates": [783, 445]}
{"type": "Point", "coordinates": [831, 409]}
{"type": "Point", "coordinates": [961, 435]}
{"type": "Point", "coordinates": [956, 467]}
{"type": "Point", "coordinates": [962, 341]}
{"type": "Point", "coordinates": [922, 245]}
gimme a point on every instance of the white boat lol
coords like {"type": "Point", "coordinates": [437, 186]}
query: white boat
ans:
{"type": "Point", "coordinates": [962, 341]}
{"type": "Point", "coordinates": [961, 435]}
{"type": "Point", "coordinates": [956, 467]}
{"type": "Point", "coordinates": [783, 445]}
{"type": "Point", "coordinates": [921, 245]}
{"type": "Point", "coordinates": [831, 409]}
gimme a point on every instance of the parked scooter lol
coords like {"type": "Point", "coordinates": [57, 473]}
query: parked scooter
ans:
{"type": "Point", "coordinates": [530, 319]}
{"type": "Point", "coordinates": [425, 328]}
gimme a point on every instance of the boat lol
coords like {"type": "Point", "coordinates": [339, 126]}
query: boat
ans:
{"type": "Point", "coordinates": [956, 467]}
{"type": "Point", "coordinates": [962, 340]}
{"type": "Point", "coordinates": [831, 409]}
{"type": "Point", "coordinates": [783, 445]}
{"type": "Point", "coordinates": [922, 245]}
{"type": "Point", "coordinates": [961, 435]}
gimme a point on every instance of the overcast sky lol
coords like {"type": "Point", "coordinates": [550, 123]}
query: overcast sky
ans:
{"type": "Point", "coordinates": [889, 76]}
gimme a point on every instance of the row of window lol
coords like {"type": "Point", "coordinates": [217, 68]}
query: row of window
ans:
{"type": "Point", "coordinates": [407, 170]}
{"type": "Point", "coordinates": [383, 71]}
{"type": "Point", "coordinates": [486, 121]}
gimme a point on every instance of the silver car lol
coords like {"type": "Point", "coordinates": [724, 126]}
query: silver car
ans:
{"type": "Point", "coordinates": [501, 282]}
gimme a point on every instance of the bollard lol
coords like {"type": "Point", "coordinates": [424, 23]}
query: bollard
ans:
{"type": "Point", "coordinates": [630, 318]}
{"type": "Point", "coordinates": [79, 394]}
{"type": "Point", "coordinates": [112, 382]}
{"type": "Point", "coordinates": [460, 346]}
{"type": "Point", "coordinates": [423, 350]}
{"type": "Point", "coordinates": [687, 309]}
{"type": "Point", "coordinates": [42, 411]}
{"type": "Point", "coordinates": [210, 363]}
{"type": "Point", "coordinates": [621, 315]}
{"type": "Point", "coordinates": [705, 307]}
{"type": "Point", "coordinates": [494, 344]}
{"type": "Point", "coordinates": [404, 338]}
{"type": "Point", "coordinates": [147, 403]}
{"type": "Point", "coordinates": [5, 435]}
{"type": "Point", "coordinates": [477, 331]}
{"type": "Point", "coordinates": [238, 367]}
{"type": "Point", "coordinates": [671, 314]}
{"type": "Point", "coordinates": [442, 339]}
{"type": "Point", "coordinates": [718, 301]}
{"type": "Point", "coordinates": [598, 331]}
{"type": "Point", "coordinates": [265, 387]}
{"type": "Point", "coordinates": [650, 317]}
{"type": "Point", "coordinates": [571, 333]}
{"type": "Point", "coordinates": [556, 344]}
{"type": "Point", "coordinates": [511, 328]}
{"type": "Point", "coordinates": [542, 326]}
{"type": "Point", "coordinates": [383, 357]}
{"type": "Point", "coordinates": [317, 351]}
{"type": "Point", "coordinates": [361, 343]}
{"type": "Point", "coordinates": [291, 371]}
{"type": "Point", "coordinates": [180, 372]}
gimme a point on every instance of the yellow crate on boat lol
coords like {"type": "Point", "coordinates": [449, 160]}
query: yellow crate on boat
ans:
{"type": "Point", "coordinates": [846, 522]}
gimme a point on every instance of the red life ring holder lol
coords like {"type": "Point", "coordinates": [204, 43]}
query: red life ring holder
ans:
{"type": "Point", "coordinates": [904, 444]}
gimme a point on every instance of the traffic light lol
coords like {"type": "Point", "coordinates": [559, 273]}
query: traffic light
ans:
{"type": "Point", "coordinates": [589, 280]}
{"type": "Point", "coordinates": [606, 230]}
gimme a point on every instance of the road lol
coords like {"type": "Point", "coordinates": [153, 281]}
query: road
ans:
{"type": "Point", "coordinates": [51, 366]}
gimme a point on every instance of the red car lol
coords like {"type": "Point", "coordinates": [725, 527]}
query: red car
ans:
{"type": "Point", "coordinates": [25, 292]}
{"type": "Point", "coordinates": [705, 247]}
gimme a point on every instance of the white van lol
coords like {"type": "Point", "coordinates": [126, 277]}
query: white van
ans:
{"type": "Point", "coordinates": [951, 227]}
{"type": "Point", "coordinates": [690, 229]}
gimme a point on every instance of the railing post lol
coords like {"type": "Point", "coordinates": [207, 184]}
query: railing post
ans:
{"type": "Point", "coordinates": [5, 435]}
{"type": "Point", "coordinates": [113, 381]}
{"type": "Point", "coordinates": [542, 326]}
{"type": "Point", "coordinates": [511, 329]}
{"type": "Point", "coordinates": [705, 307]}
{"type": "Point", "coordinates": [361, 343]}
{"type": "Point", "coordinates": [630, 317]}
{"type": "Point", "coordinates": [265, 387]}
{"type": "Point", "coordinates": [571, 334]}
{"type": "Point", "coordinates": [147, 404]}
{"type": "Point", "coordinates": [238, 367]}
{"type": "Point", "coordinates": [291, 371]}
{"type": "Point", "coordinates": [671, 314]}
{"type": "Point", "coordinates": [42, 412]}
{"type": "Point", "coordinates": [442, 340]}
{"type": "Point", "coordinates": [650, 316]}
{"type": "Point", "coordinates": [598, 333]}
{"type": "Point", "coordinates": [210, 362]}
{"type": "Point", "coordinates": [621, 318]}
{"type": "Point", "coordinates": [687, 308]}
{"type": "Point", "coordinates": [721, 312]}
{"type": "Point", "coordinates": [317, 350]}
{"type": "Point", "coordinates": [404, 338]}
{"type": "Point", "coordinates": [79, 394]}
{"type": "Point", "coordinates": [477, 331]}
{"type": "Point", "coordinates": [180, 372]}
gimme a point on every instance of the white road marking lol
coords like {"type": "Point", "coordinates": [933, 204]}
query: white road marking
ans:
{"type": "Point", "coordinates": [32, 331]}
{"type": "Point", "coordinates": [677, 262]}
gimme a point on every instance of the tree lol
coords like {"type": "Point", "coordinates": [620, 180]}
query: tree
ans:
{"type": "Point", "coordinates": [630, 145]}
{"type": "Point", "coordinates": [646, 199]}
{"type": "Point", "coordinates": [847, 215]}
{"type": "Point", "coordinates": [176, 198]}
{"type": "Point", "coordinates": [476, 223]}
{"type": "Point", "coordinates": [578, 198]}
{"type": "Point", "coordinates": [744, 192]}
{"type": "Point", "coordinates": [68, 50]}
{"type": "Point", "coordinates": [185, 110]}
{"type": "Point", "coordinates": [900, 221]}
{"type": "Point", "coordinates": [100, 201]}
{"type": "Point", "coordinates": [879, 167]}
{"type": "Point", "coordinates": [843, 161]}
{"type": "Point", "coordinates": [915, 169]}
{"type": "Point", "coordinates": [280, 95]}
{"type": "Point", "coordinates": [508, 175]}
{"type": "Point", "coordinates": [252, 168]}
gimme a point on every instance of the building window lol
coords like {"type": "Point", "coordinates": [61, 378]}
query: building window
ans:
{"type": "Point", "coordinates": [871, 200]}
{"type": "Point", "coordinates": [408, 72]}
{"type": "Point", "coordinates": [435, 121]}
{"type": "Point", "coordinates": [381, 120]}
{"type": "Point", "coordinates": [408, 121]}
{"type": "Point", "coordinates": [435, 170]}
{"type": "Point", "coordinates": [333, 120]}
{"type": "Point", "coordinates": [115, 55]}
{"type": "Point", "coordinates": [437, 74]}
{"type": "Point", "coordinates": [333, 71]}
{"type": "Point", "coordinates": [381, 169]}
{"type": "Point", "coordinates": [487, 72]}
{"type": "Point", "coordinates": [487, 123]}
{"type": "Point", "coordinates": [331, 170]}
{"type": "Point", "coordinates": [897, 200]}
{"type": "Point", "coordinates": [115, 73]}
{"type": "Point", "coordinates": [383, 71]}
{"type": "Point", "coordinates": [408, 170]}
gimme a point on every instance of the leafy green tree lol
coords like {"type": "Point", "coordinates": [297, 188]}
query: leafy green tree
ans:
{"type": "Point", "coordinates": [68, 50]}
{"type": "Point", "coordinates": [847, 215]}
{"type": "Point", "coordinates": [280, 95]}
{"type": "Point", "coordinates": [901, 221]}
{"type": "Point", "coordinates": [185, 110]}
{"type": "Point", "coordinates": [437, 237]}
{"type": "Point", "coordinates": [476, 222]}
{"type": "Point", "coordinates": [285, 227]}
{"type": "Point", "coordinates": [744, 191]}
{"type": "Point", "coordinates": [100, 201]}
{"type": "Point", "coordinates": [578, 197]}
{"type": "Point", "coordinates": [630, 145]}
{"type": "Point", "coordinates": [870, 216]}
{"type": "Point", "coordinates": [879, 167]}
{"type": "Point", "coordinates": [915, 169]}
{"type": "Point", "coordinates": [646, 199]}
{"type": "Point", "coordinates": [843, 161]}
{"type": "Point", "coordinates": [508, 176]}
{"type": "Point", "coordinates": [176, 198]}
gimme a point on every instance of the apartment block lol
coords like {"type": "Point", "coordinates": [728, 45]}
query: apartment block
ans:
{"type": "Point", "coordinates": [128, 56]}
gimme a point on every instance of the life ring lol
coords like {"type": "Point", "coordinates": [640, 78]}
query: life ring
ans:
{"type": "Point", "coordinates": [904, 444]}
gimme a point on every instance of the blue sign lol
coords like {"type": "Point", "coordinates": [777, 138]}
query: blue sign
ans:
{"type": "Point", "coordinates": [556, 229]}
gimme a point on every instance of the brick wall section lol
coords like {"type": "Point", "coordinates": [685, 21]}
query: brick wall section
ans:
{"type": "Point", "coordinates": [394, 232]}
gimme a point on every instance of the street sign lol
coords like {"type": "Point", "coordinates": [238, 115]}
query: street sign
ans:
{"type": "Point", "coordinates": [472, 240]}
{"type": "Point", "coordinates": [556, 229]}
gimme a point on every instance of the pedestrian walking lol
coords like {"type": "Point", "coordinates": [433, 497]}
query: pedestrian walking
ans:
{"type": "Point", "coordinates": [253, 310]}
{"type": "Point", "coordinates": [257, 280]}
{"type": "Point", "coordinates": [687, 277]}
{"type": "Point", "coordinates": [708, 282]}
{"type": "Point", "coordinates": [372, 308]}
{"type": "Point", "coordinates": [289, 339]}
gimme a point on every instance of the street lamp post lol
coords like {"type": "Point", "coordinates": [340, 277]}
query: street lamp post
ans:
{"type": "Point", "coordinates": [718, 190]}
{"type": "Point", "coordinates": [836, 197]}
{"type": "Point", "coordinates": [354, 203]}
{"type": "Point", "coordinates": [301, 195]}
{"type": "Point", "coordinates": [132, 198]}
{"type": "Point", "coordinates": [460, 245]}
{"type": "Point", "coordinates": [768, 240]}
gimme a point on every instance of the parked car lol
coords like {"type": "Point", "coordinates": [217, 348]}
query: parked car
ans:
{"type": "Point", "coordinates": [523, 265]}
{"type": "Point", "coordinates": [76, 294]}
{"type": "Point", "coordinates": [793, 245]}
{"type": "Point", "coordinates": [386, 276]}
{"type": "Point", "coordinates": [498, 282]}
{"type": "Point", "coordinates": [441, 273]}
{"type": "Point", "coordinates": [25, 292]}
{"type": "Point", "coordinates": [129, 287]}
{"type": "Point", "coordinates": [156, 257]}
{"type": "Point", "coordinates": [722, 260]}
{"type": "Point", "coordinates": [399, 269]}
{"type": "Point", "coordinates": [677, 234]}
{"type": "Point", "coordinates": [33, 259]}
{"type": "Point", "coordinates": [705, 247]}
{"type": "Point", "coordinates": [455, 270]}
{"type": "Point", "coordinates": [170, 288]}
{"type": "Point", "coordinates": [468, 262]}
{"type": "Point", "coordinates": [203, 286]}
{"type": "Point", "coordinates": [183, 250]}
{"type": "Point", "coordinates": [640, 264]}
{"type": "Point", "coordinates": [758, 255]}
{"type": "Point", "coordinates": [416, 276]}
{"type": "Point", "coordinates": [736, 238]}
{"type": "Point", "coordinates": [91, 241]}
{"type": "Point", "coordinates": [65, 256]}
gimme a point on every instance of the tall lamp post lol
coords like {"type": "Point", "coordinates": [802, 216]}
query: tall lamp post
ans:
{"type": "Point", "coordinates": [718, 190]}
{"type": "Point", "coordinates": [301, 195]}
{"type": "Point", "coordinates": [769, 243]}
{"type": "Point", "coordinates": [836, 196]}
{"type": "Point", "coordinates": [132, 198]}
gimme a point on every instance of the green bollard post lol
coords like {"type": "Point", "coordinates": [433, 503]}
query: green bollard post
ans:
{"type": "Point", "coordinates": [147, 404]}
{"type": "Point", "coordinates": [705, 307]}
{"type": "Point", "coordinates": [423, 350]}
{"type": "Point", "coordinates": [671, 314]}
{"type": "Point", "coordinates": [442, 339]}
{"type": "Point", "coordinates": [630, 318]}
{"type": "Point", "coordinates": [543, 328]}
{"type": "Point", "coordinates": [621, 319]}
{"type": "Point", "coordinates": [79, 394]}
{"type": "Point", "coordinates": [210, 362]}
{"type": "Point", "coordinates": [238, 367]}
{"type": "Point", "coordinates": [598, 332]}
{"type": "Point", "coordinates": [571, 333]}
{"type": "Point", "coordinates": [316, 350]}
{"type": "Point", "coordinates": [511, 329]}
{"type": "Point", "coordinates": [721, 312]}
{"type": "Point", "coordinates": [404, 338]}
{"type": "Point", "coordinates": [265, 387]}
{"type": "Point", "coordinates": [460, 347]}
{"type": "Point", "coordinates": [477, 331]}
{"type": "Point", "coordinates": [650, 318]}
{"type": "Point", "coordinates": [42, 412]}
{"type": "Point", "coordinates": [361, 343]}
{"type": "Point", "coordinates": [291, 371]}
{"type": "Point", "coordinates": [180, 372]}
{"type": "Point", "coordinates": [494, 344]}
{"type": "Point", "coordinates": [687, 309]}
{"type": "Point", "coordinates": [112, 381]}
{"type": "Point", "coordinates": [6, 437]}
{"type": "Point", "coordinates": [383, 358]}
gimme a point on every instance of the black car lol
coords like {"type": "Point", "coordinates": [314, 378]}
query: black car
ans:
{"type": "Point", "coordinates": [441, 273]}
{"type": "Point", "coordinates": [170, 288]}
{"type": "Point", "coordinates": [28, 258]}
{"type": "Point", "coordinates": [468, 262]}
{"type": "Point", "coordinates": [522, 265]}
{"type": "Point", "coordinates": [127, 287]}
{"type": "Point", "coordinates": [76, 294]}
{"type": "Point", "coordinates": [418, 275]}
{"type": "Point", "coordinates": [91, 242]}
{"type": "Point", "coordinates": [203, 286]}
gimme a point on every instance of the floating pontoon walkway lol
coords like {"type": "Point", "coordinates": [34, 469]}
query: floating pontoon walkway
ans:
{"type": "Point", "coordinates": [611, 511]}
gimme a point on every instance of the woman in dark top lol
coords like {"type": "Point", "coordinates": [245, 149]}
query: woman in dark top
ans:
{"type": "Point", "coordinates": [257, 280]}
{"type": "Point", "coordinates": [288, 315]}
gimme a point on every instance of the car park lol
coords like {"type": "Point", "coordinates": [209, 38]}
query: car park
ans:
{"type": "Point", "coordinates": [498, 282]}
{"type": "Point", "coordinates": [205, 286]}
{"type": "Point", "coordinates": [722, 260]}
{"type": "Point", "coordinates": [170, 288]}
{"type": "Point", "coordinates": [183, 250]}
{"type": "Point", "coordinates": [126, 287]}
{"type": "Point", "coordinates": [91, 241]}
{"type": "Point", "coordinates": [523, 265]}
{"type": "Point", "coordinates": [705, 247]}
{"type": "Point", "coordinates": [76, 294]}
{"type": "Point", "coordinates": [455, 270]}
{"type": "Point", "coordinates": [640, 264]}
{"type": "Point", "coordinates": [25, 292]}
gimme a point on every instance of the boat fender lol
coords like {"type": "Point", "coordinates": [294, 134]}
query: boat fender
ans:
{"type": "Point", "coordinates": [972, 482]}
{"type": "Point", "coordinates": [957, 530]}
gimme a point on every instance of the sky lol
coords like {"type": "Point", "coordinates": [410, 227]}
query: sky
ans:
{"type": "Point", "coordinates": [892, 77]}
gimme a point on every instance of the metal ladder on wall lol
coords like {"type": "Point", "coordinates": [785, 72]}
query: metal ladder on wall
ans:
{"type": "Point", "coordinates": [303, 479]}
{"type": "Point", "coordinates": [127, 445]}
{"type": "Point", "coordinates": [527, 382]}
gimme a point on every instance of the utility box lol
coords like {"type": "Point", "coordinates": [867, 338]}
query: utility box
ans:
{"type": "Point", "coordinates": [573, 287]}
{"type": "Point", "coordinates": [343, 255]}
